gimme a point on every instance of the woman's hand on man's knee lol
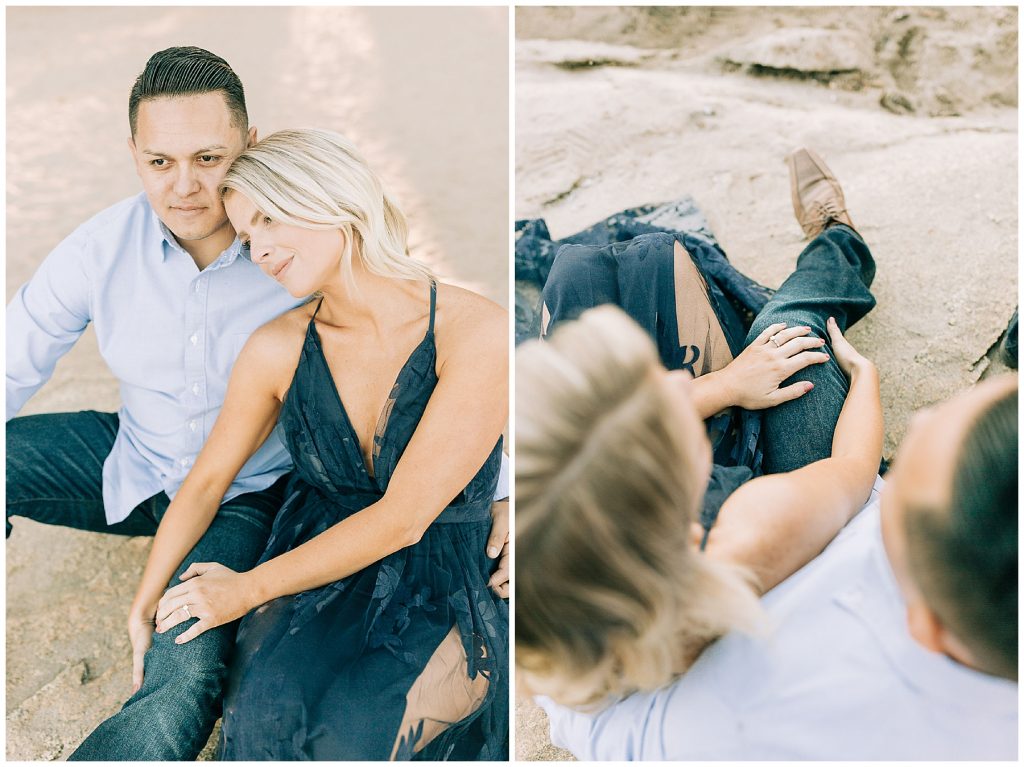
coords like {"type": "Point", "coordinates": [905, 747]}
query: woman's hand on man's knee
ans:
{"type": "Point", "coordinates": [753, 379]}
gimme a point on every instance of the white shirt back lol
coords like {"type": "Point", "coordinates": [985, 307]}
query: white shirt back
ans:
{"type": "Point", "coordinates": [839, 678]}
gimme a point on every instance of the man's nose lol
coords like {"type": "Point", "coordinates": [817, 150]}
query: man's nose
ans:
{"type": "Point", "coordinates": [185, 181]}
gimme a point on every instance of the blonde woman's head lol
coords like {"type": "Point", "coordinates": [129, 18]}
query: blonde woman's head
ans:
{"type": "Point", "coordinates": [318, 182]}
{"type": "Point", "coordinates": [611, 466]}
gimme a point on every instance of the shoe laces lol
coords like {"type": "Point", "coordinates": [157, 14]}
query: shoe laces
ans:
{"type": "Point", "coordinates": [827, 211]}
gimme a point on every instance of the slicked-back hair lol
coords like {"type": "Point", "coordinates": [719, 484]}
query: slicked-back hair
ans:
{"type": "Point", "coordinates": [188, 71]}
{"type": "Point", "coordinates": [964, 558]}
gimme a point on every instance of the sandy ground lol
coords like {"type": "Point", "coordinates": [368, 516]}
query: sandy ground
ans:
{"type": "Point", "coordinates": [423, 92]}
{"type": "Point", "coordinates": [915, 110]}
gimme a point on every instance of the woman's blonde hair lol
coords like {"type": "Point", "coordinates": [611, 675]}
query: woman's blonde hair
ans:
{"type": "Point", "coordinates": [317, 179]}
{"type": "Point", "coordinates": [611, 595]}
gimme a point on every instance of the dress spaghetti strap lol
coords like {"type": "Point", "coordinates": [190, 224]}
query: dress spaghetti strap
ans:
{"type": "Point", "coordinates": [317, 310]}
{"type": "Point", "coordinates": [433, 305]}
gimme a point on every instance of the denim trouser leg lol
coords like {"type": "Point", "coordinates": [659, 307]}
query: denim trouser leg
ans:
{"type": "Point", "coordinates": [55, 472]}
{"type": "Point", "coordinates": [173, 713]}
{"type": "Point", "coordinates": [832, 278]}
{"type": "Point", "coordinates": [54, 475]}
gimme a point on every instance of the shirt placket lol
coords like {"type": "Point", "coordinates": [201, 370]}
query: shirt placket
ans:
{"type": "Point", "coordinates": [195, 370]}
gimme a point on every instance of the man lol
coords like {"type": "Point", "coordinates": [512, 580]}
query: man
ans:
{"type": "Point", "coordinates": [898, 642]}
{"type": "Point", "coordinates": [173, 297]}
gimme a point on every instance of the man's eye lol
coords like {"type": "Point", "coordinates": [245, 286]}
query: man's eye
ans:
{"type": "Point", "coordinates": [158, 163]}
{"type": "Point", "coordinates": [209, 158]}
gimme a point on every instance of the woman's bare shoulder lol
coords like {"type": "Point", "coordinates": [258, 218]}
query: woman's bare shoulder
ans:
{"type": "Point", "coordinates": [285, 329]}
{"type": "Point", "coordinates": [470, 326]}
{"type": "Point", "coordinates": [461, 307]}
{"type": "Point", "coordinates": [274, 347]}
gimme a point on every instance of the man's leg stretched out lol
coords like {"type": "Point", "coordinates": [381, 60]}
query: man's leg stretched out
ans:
{"type": "Point", "coordinates": [832, 279]}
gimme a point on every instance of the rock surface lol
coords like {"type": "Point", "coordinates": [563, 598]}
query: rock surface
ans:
{"type": "Point", "coordinates": [803, 50]}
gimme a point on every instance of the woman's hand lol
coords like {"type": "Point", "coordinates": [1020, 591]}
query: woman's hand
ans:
{"type": "Point", "coordinates": [752, 379]}
{"type": "Point", "coordinates": [141, 622]}
{"type": "Point", "coordinates": [850, 360]}
{"type": "Point", "coordinates": [212, 593]}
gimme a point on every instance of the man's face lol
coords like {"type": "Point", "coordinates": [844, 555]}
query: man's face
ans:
{"type": "Point", "coordinates": [183, 147]}
{"type": "Point", "coordinates": [922, 477]}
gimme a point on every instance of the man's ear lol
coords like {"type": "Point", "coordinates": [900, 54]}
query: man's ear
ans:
{"type": "Point", "coordinates": [252, 139]}
{"type": "Point", "coordinates": [134, 153]}
{"type": "Point", "coordinates": [925, 627]}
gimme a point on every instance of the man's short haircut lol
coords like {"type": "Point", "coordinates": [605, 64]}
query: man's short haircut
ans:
{"type": "Point", "coordinates": [188, 71]}
{"type": "Point", "coordinates": [964, 558]}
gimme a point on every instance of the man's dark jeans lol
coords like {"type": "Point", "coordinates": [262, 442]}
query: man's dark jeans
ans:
{"type": "Point", "coordinates": [832, 279]}
{"type": "Point", "coordinates": [54, 475]}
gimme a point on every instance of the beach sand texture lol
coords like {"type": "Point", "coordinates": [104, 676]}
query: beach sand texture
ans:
{"type": "Point", "coordinates": [915, 109]}
{"type": "Point", "coordinates": [423, 93]}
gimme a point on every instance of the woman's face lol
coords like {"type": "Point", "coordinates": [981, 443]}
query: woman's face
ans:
{"type": "Point", "coordinates": [303, 260]}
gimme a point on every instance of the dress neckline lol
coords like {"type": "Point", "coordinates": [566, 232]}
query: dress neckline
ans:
{"type": "Point", "coordinates": [311, 333]}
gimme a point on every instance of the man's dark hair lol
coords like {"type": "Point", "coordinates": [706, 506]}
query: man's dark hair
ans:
{"type": "Point", "coordinates": [188, 71]}
{"type": "Point", "coordinates": [964, 558]}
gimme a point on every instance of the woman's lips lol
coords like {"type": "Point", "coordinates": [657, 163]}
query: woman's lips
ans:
{"type": "Point", "coordinates": [279, 270]}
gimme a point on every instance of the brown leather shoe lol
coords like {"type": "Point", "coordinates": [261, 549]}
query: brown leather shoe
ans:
{"type": "Point", "coordinates": [817, 197]}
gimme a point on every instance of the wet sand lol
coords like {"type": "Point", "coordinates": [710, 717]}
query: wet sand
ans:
{"type": "Point", "coordinates": [423, 93]}
{"type": "Point", "coordinates": [914, 109]}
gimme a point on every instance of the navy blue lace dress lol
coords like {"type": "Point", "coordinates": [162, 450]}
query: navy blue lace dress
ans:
{"type": "Point", "coordinates": [374, 665]}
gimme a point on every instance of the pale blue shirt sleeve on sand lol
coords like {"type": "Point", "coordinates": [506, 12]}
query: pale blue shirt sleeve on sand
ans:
{"type": "Point", "coordinates": [169, 333]}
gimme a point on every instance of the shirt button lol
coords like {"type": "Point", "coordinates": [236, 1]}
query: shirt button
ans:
{"type": "Point", "coordinates": [197, 287]}
{"type": "Point", "coordinates": [183, 461]}
{"type": "Point", "coordinates": [193, 425]}
{"type": "Point", "coordinates": [194, 339]}
{"type": "Point", "coordinates": [195, 388]}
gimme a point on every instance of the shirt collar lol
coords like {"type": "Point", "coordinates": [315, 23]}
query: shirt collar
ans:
{"type": "Point", "coordinates": [169, 243]}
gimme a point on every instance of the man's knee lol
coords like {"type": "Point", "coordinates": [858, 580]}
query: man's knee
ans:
{"type": "Point", "coordinates": [192, 670]}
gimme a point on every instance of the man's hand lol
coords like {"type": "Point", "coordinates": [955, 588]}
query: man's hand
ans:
{"type": "Point", "coordinates": [752, 379]}
{"type": "Point", "coordinates": [497, 546]}
{"type": "Point", "coordinates": [850, 360]}
{"type": "Point", "coordinates": [141, 623]}
{"type": "Point", "coordinates": [212, 593]}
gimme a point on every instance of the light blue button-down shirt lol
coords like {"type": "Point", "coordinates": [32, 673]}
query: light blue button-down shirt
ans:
{"type": "Point", "coordinates": [169, 333]}
{"type": "Point", "coordinates": [839, 678]}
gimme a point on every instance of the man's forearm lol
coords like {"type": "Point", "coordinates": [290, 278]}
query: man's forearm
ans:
{"type": "Point", "coordinates": [859, 430]}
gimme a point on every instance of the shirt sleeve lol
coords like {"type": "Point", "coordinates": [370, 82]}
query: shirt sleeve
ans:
{"type": "Point", "coordinates": [613, 734]}
{"type": "Point", "coordinates": [45, 318]}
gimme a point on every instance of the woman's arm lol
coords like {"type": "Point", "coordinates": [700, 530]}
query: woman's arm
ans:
{"type": "Point", "coordinates": [247, 417]}
{"type": "Point", "coordinates": [462, 421]}
{"type": "Point", "coordinates": [776, 524]}
{"type": "Point", "coordinates": [752, 379]}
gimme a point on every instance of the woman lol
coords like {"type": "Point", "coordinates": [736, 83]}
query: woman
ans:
{"type": "Point", "coordinates": [612, 466]}
{"type": "Point", "coordinates": [375, 634]}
